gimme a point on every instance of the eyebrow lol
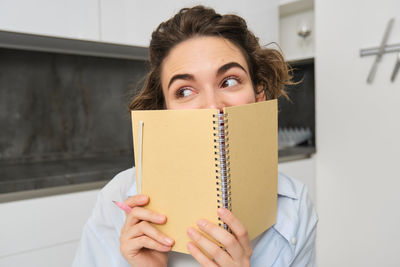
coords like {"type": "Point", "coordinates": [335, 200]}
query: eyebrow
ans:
{"type": "Point", "coordinates": [187, 77]}
{"type": "Point", "coordinates": [227, 66]}
{"type": "Point", "coordinates": [224, 68]}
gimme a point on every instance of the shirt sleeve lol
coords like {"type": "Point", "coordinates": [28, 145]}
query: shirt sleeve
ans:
{"type": "Point", "coordinates": [304, 253]}
{"type": "Point", "coordinates": [290, 242]}
{"type": "Point", "coordinates": [99, 244]}
{"type": "Point", "coordinates": [92, 251]}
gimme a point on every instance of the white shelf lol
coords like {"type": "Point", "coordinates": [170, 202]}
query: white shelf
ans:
{"type": "Point", "coordinates": [299, 60]}
{"type": "Point", "coordinates": [289, 7]}
{"type": "Point", "coordinates": [42, 43]}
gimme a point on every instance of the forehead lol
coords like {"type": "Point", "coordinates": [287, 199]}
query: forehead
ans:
{"type": "Point", "coordinates": [199, 54]}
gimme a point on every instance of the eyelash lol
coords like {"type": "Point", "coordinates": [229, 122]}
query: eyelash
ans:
{"type": "Point", "coordinates": [179, 92]}
{"type": "Point", "coordinates": [232, 77]}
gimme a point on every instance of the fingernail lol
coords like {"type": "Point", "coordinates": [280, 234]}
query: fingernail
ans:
{"type": "Point", "coordinates": [191, 231]}
{"type": "Point", "coordinates": [142, 198]}
{"type": "Point", "coordinates": [169, 241]}
{"type": "Point", "coordinates": [222, 211]}
{"type": "Point", "coordinates": [161, 217]}
{"type": "Point", "coordinates": [189, 246]}
{"type": "Point", "coordinates": [201, 223]}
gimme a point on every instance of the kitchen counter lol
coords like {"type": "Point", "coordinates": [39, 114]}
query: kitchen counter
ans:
{"type": "Point", "coordinates": [29, 180]}
{"type": "Point", "coordinates": [295, 153]}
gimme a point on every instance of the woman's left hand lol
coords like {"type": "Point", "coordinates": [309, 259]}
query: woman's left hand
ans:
{"type": "Point", "coordinates": [237, 245]}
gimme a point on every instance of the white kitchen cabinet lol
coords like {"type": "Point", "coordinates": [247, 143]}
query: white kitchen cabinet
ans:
{"type": "Point", "coordinates": [294, 46]}
{"type": "Point", "coordinates": [44, 231]}
{"type": "Point", "coordinates": [132, 22]}
{"type": "Point", "coordinates": [125, 22]}
{"type": "Point", "coordinates": [288, 7]}
{"type": "Point", "coordinates": [295, 16]}
{"type": "Point", "coordinates": [60, 18]}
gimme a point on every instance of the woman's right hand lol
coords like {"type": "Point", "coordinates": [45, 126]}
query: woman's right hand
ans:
{"type": "Point", "coordinates": [141, 244]}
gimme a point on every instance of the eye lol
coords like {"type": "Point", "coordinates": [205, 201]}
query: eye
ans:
{"type": "Point", "coordinates": [230, 81]}
{"type": "Point", "coordinates": [183, 92]}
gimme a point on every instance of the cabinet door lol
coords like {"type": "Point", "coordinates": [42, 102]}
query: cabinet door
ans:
{"type": "Point", "coordinates": [61, 18]}
{"type": "Point", "coordinates": [294, 46]}
{"type": "Point", "coordinates": [132, 22]}
{"type": "Point", "coordinates": [44, 231]}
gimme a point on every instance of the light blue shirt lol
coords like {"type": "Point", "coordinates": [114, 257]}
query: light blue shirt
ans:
{"type": "Point", "coordinates": [290, 242]}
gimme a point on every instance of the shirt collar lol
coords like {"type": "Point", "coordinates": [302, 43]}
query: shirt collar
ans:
{"type": "Point", "coordinates": [287, 219]}
{"type": "Point", "coordinates": [132, 189]}
{"type": "Point", "coordinates": [286, 187]}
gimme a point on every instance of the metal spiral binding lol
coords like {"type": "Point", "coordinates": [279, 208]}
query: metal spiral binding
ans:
{"type": "Point", "coordinates": [222, 164]}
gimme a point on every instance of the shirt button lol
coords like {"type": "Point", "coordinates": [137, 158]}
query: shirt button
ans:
{"type": "Point", "coordinates": [294, 240]}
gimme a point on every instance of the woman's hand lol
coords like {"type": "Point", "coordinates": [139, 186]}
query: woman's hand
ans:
{"type": "Point", "coordinates": [140, 243]}
{"type": "Point", "coordinates": [237, 245]}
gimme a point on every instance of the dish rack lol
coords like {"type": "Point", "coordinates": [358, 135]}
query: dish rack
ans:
{"type": "Point", "coordinates": [293, 136]}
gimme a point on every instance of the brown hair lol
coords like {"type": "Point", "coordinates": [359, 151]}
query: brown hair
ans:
{"type": "Point", "coordinates": [267, 67]}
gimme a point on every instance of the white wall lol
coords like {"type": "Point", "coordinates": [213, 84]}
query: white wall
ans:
{"type": "Point", "coordinates": [304, 171]}
{"type": "Point", "coordinates": [358, 136]}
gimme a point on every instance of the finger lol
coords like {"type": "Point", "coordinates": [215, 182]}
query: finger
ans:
{"type": "Point", "coordinates": [220, 256]}
{"type": "Point", "coordinates": [134, 201]}
{"type": "Point", "coordinates": [144, 242]}
{"type": "Point", "coordinates": [142, 214]}
{"type": "Point", "coordinates": [145, 228]}
{"type": "Point", "coordinates": [224, 237]}
{"type": "Point", "coordinates": [237, 228]}
{"type": "Point", "coordinates": [137, 200]}
{"type": "Point", "coordinates": [199, 256]}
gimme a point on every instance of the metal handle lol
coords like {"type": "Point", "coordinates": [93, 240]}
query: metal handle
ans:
{"type": "Point", "coordinates": [372, 72]}
{"type": "Point", "coordinates": [396, 68]}
{"type": "Point", "coordinates": [393, 48]}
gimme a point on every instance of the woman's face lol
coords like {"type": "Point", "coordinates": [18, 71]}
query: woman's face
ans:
{"type": "Point", "coordinates": [206, 72]}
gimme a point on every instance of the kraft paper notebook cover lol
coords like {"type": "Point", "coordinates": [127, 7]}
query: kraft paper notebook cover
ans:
{"type": "Point", "coordinates": [181, 165]}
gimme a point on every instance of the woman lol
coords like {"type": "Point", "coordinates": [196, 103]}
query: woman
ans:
{"type": "Point", "coordinates": [200, 59]}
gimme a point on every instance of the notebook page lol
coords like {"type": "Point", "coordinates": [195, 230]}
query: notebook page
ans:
{"type": "Point", "coordinates": [178, 167]}
{"type": "Point", "coordinates": [253, 152]}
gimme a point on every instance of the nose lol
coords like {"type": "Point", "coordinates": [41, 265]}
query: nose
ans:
{"type": "Point", "coordinates": [212, 100]}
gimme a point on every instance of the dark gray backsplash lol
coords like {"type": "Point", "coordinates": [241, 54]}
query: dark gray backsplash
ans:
{"type": "Point", "coordinates": [56, 106]}
{"type": "Point", "coordinates": [64, 119]}
{"type": "Point", "coordinates": [299, 111]}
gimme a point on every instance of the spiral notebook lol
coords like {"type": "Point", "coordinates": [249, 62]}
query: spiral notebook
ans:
{"type": "Point", "coordinates": [190, 162]}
